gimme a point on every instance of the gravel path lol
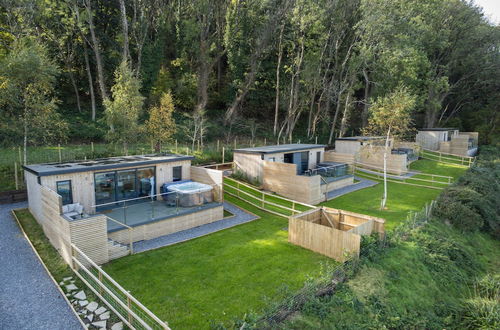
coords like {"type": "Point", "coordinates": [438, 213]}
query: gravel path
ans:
{"type": "Point", "coordinates": [239, 217]}
{"type": "Point", "coordinates": [363, 183]}
{"type": "Point", "coordinates": [28, 297]}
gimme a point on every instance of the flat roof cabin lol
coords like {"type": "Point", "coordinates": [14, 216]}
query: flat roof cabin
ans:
{"type": "Point", "coordinates": [296, 171]}
{"type": "Point", "coordinates": [448, 140]}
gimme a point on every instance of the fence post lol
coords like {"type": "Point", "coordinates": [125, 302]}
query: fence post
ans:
{"type": "Point", "coordinates": [222, 154]}
{"type": "Point", "coordinates": [15, 175]}
{"type": "Point", "coordinates": [238, 187]}
{"type": "Point", "coordinates": [130, 240]}
{"type": "Point", "coordinates": [92, 148]}
{"type": "Point", "coordinates": [293, 208]}
{"type": "Point", "coordinates": [263, 201]}
{"type": "Point", "coordinates": [128, 311]}
{"type": "Point", "coordinates": [265, 141]}
{"type": "Point", "coordinates": [100, 282]}
{"type": "Point", "coordinates": [175, 145]}
{"type": "Point", "coordinates": [60, 154]}
{"type": "Point", "coordinates": [235, 142]}
{"type": "Point", "coordinates": [217, 145]}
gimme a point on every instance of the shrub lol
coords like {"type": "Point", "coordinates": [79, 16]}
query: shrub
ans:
{"type": "Point", "coordinates": [459, 206]}
{"type": "Point", "coordinates": [482, 310]}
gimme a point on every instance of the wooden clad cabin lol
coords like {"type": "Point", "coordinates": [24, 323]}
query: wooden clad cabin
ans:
{"type": "Point", "coordinates": [296, 171]}
{"type": "Point", "coordinates": [448, 140]}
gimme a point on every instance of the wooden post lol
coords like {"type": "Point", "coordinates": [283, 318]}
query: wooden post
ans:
{"type": "Point", "coordinates": [440, 156]}
{"type": "Point", "coordinates": [223, 149]}
{"type": "Point", "coordinates": [238, 187]}
{"type": "Point", "coordinates": [20, 156]}
{"type": "Point", "coordinates": [265, 141]}
{"type": "Point", "coordinates": [152, 147]}
{"type": "Point", "coordinates": [263, 203]}
{"type": "Point", "coordinates": [60, 154]}
{"type": "Point", "coordinates": [217, 145]}
{"type": "Point", "coordinates": [293, 208]}
{"type": "Point", "coordinates": [129, 308]}
{"type": "Point", "coordinates": [316, 140]}
{"type": "Point", "coordinates": [234, 143]}
{"type": "Point", "coordinates": [100, 282]}
{"type": "Point", "coordinates": [130, 240]}
{"type": "Point", "coordinates": [15, 175]}
{"type": "Point", "coordinates": [175, 145]}
{"type": "Point", "coordinates": [92, 148]}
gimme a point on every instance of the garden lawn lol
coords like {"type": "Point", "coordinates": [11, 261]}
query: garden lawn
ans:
{"type": "Point", "coordinates": [401, 198]}
{"type": "Point", "coordinates": [219, 277]}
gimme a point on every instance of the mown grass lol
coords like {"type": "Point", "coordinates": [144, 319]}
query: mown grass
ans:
{"type": "Point", "coordinates": [219, 277]}
{"type": "Point", "coordinates": [401, 198]}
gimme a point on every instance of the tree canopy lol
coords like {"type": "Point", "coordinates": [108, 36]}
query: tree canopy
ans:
{"type": "Point", "coordinates": [301, 69]}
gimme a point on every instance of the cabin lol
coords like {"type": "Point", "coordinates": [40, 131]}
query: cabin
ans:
{"type": "Point", "coordinates": [448, 140]}
{"type": "Point", "coordinates": [296, 171]}
{"type": "Point", "coordinates": [368, 151]}
{"type": "Point", "coordinates": [121, 199]}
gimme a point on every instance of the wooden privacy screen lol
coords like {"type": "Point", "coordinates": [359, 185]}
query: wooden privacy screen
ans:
{"type": "Point", "coordinates": [331, 232]}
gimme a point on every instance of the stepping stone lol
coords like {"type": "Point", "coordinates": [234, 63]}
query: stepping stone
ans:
{"type": "Point", "coordinates": [83, 303]}
{"type": "Point", "coordinates": [100, 310]}
{"type": "Point", "coordinates": [117, 326]}
{"type": "Point", "coordinates": [99, 324]}
{"type": "Point", "coordinates": [80, 295]}
{"type": "Point", "coordinates": [90, 317]}
{"type": "Point", "coordinates": [67, 278]}
{"type": "Point", "coordinates": [104, 316]}
{"type": "Point", "coordinates": [71, 287]}
{"type": "Point", "coordinates": [92, 306]}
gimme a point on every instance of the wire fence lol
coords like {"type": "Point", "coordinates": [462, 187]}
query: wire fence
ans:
{"type": "Point", "coordinates": [121, 302]}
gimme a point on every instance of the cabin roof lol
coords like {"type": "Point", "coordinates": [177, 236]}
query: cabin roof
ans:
{"type": "Point", "coordinates": [438, 129]}
{"type": "Point", "coordinates": [101, 164]}
{"type": "Point", "coordinates": [279, 148]}
{"type": "Point", "coordinates": [360, 138]}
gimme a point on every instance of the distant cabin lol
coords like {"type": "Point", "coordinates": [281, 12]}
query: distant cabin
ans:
{"type": "Point", "coordinates": [448, 140]}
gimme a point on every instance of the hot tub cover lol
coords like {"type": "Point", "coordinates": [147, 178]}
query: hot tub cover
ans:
{"type": "Point", "coordinates": [190, 187]}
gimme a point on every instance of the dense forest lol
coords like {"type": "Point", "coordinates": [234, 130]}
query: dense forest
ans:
{"type": "Point", "coordinates": [199, 70]}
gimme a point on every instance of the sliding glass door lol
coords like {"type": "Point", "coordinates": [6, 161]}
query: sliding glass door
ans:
{"type": "Point", "coordinates": [116, 186]}
{"type": "Point", "coordinates": [105, 188]}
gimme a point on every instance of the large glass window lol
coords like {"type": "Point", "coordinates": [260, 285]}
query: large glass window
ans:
{"type": "Point", "coordinates": [146, 181]}
{"type": "Point", "coordinates": [64, 189]}
{"type": "Point", "coordinates": [177, 173]}
{"type": "Point", "coordinates": [125, 184]}
{"type": "Point", "coordinates": [304, 161]}
{"type": "Point", "coordinates": [104, 187]}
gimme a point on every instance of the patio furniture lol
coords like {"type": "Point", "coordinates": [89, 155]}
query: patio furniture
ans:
{"type": "Point", "coordinates": [71, 210]}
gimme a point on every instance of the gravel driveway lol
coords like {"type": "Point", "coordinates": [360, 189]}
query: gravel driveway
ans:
{"type": "Point", "coordinates": [28, 297]}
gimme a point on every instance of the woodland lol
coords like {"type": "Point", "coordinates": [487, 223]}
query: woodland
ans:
{"type": "Point", "coordinates": [199, 70]}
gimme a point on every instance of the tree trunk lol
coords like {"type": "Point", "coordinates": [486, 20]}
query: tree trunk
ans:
{"type": "Point", "coordinates": [334, 121]}
{"type": "Point", "coordinates": [75, 88]}
{"type": "Point", "coordinates": [345, 115]}
{"type": "Point", "coordinates": [366, 105]}
{"type": "Point", "coordinates": [278, 67]}
{"type": "Point", "coordinates": [97, 52]}
{"type": "Point", "coordinates": [123, 11]}
{"type": "Point", "coordinates": [25, 140]}
{"type": "Point", "coordinates": [386, 149]}
{"type": "Point", "coordinates": [89, 76]}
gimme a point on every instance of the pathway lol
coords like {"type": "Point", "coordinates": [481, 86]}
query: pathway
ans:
{"type": "Point", "coordinates": [363, 183]}
{"type": "Point", "coordinates": [239, 216]}
{"type": "Point", "coordinates": [29, 299]}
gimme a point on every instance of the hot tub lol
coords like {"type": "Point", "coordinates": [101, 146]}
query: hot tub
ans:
{"type": "Point", "coordinates": [191, 193]}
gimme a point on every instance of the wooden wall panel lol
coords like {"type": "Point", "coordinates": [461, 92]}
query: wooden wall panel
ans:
{"type": "Point", "coordinates": [333, 156]}
{"type": "Point", "coordinates": [211, 177]}
{"type": "Point", "coordinates": [34, 196]}
{"type": "Point", "coordinates": [169, 226]}
{"type": "Point", "coordinates": [250, 164]}
{"type": "Point", "coordinates": [374, 156]}
{"type": "Point", "coordinates": [91, 236]}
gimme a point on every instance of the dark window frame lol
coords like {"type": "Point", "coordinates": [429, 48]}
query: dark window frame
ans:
{"type": "Point", "coordinates": [173, 173]}
{"type": "Point", "coordinates": [70, 190]}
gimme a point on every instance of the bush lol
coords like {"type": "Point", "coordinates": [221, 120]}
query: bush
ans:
{"type": "Point", "coordinates": [482, 310]}
{"type": "Point", "coordinates": [459, 206]}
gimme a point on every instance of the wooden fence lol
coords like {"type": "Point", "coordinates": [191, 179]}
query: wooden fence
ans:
{"type": "Point", "coordinates": [426, 180]}
{"type": "Point", "coordinates": [271, 203]}
{"type": "Point", "coordinates": [13, 196]}
{"type": "Point", "coordinates": [447, 158]}
{"type": "Point", "coordinates": [331, 232]}
{"type": "Point", "coordinates": [134, 314]}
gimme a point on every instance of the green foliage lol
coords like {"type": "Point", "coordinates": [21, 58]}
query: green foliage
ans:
{"type": "Point", "coordinates": [27, 95]}
{"type": "Point", "coordinates": [472, 203]}
{"type": "Point", "coordinates": [391, 114]}
{"type": "Point", "coordinates": [122, 113]}
{"type": "Point", "coordinates": [160, 127]}
{"type": "Point", "coordinates": [482, 310]}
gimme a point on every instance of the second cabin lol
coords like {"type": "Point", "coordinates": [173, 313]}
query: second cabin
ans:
{"type": "Point", "coordinates": [296, 171]}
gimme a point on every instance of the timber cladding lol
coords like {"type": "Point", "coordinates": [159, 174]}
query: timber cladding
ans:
{"type": "Point", "coordinates": [89, 234]}
{"type": "Point", "coordinates": [282, 179]}
{"type": "Point", "coordinates": [332, 232]}
{"type": "Point", "coordinates": [333, 156]}
{"type": "Point", "coordinates": [374, 156]}
{"type": "Point", "coordinates": [168, 226]}
{"type": "Point", "coordinates": [210, 177]}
